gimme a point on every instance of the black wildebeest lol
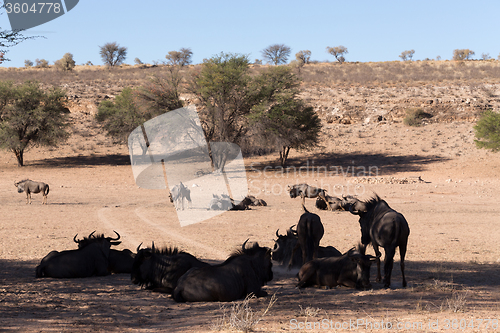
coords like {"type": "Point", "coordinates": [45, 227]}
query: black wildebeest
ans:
{"type": "Point", "coordinates": [284, 244]}
{"type": "Point", "coordinates": [310, 230]}
{"type": "Point", "coordinates": [253, 201]}
{"type": "Point", "coordinates": [306, 191]}
{"type": "Point", "coordinates": [383, 226]}
{"type": "Point", "coordinates": [178, 194]}
{"type": "Point", "coordinates": [91, 259]}
{"type": "Point", "coordinates": [243, 273]}
{"type": "Point", "coordinates": [160, 269]}
{"type": "Point", "coordinates": [28, 186]}
{"type": "Point", "coordinates": [352, 270]}
{"type": "Point", "coordinates": [120, 261]}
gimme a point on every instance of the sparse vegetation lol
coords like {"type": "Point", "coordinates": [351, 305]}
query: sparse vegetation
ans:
{"type": "Point", "coordinates": [462, 54]}
{"type": "Point", "coordinates": [338, 52]}
{"type": "Point", "coordinates": [41, 63]}
{"type": "Point", "coordinates": [66, 63]}
{"type": "Point", "coordinates": [407, 55]}
{"type": "Point", "coordinates": [414, 116]}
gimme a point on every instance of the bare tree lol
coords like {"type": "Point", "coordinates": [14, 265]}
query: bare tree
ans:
{"type": "Point", "coordinates": [179, 58]}
{"type": "Point", "coordinates": [338, 52]}
{"type": "Point", "coordinates": [112, 54]}
{"type": "Point", "coordinates": [276, 54]}
{"type": "Point", "coordinates": [407, 55]}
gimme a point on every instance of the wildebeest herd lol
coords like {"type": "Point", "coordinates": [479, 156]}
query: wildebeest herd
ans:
{"type": "Point", "coordinates": [247, 270]}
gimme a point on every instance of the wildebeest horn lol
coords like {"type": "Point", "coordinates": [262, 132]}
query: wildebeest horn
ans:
{"type": "Point", "coordinates": [92, 233]}
{"type": "Point", "coordinates": [352, 212]}
{"type": "Point", "coordinates": [76, 241]}
{"type": "Point", "coordinates": [277, 235]}
{"type": "Point", "coordinates": [115, 239]}
{"type": "Point", "coordinates": [277, 247]}
{"type": "Point", "coordinates": [139, 247]}
{"type": "Point", "coordinates": [245, 243]}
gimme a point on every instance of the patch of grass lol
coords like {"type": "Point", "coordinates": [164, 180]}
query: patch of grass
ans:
{"type": "Point", "coordinates": [414, 117]}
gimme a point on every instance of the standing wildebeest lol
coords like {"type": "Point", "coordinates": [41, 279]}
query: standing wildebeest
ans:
{"type": "Point", "coordinates": [29, 186]}
{"type": "Point", "coordinates": [304, 190]}
{"type": "Point", "coordinates": [160, 269]}
{"type": "Point", "coordinates": [178, 194]}
{"type": "Point", "coordinates": [90, 259]}
{"type": "Point", "coordinates": [283, 247]}
{"type": "Point", "coordinates": [310, 230]}
{"type": "Point", "coordinates": [119, 261]}
{"type": "Point", "coordinates": [383, 226]}
{"type": "Point", "coordinates": [243, 273]}
{"type": "Point", "coordinates": [352, 269]}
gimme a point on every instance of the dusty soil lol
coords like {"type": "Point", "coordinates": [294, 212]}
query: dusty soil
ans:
{"type": "Point", "coordinates": [445, 187]}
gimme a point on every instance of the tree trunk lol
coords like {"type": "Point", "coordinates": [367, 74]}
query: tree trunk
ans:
{"type": "Point", "coordinates": [19, 155]}
{"type": "Point", "coordinates": [284, 155]}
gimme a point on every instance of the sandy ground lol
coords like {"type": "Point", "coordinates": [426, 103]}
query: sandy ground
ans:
{"type": "Point", "coordinates": [453, 265]}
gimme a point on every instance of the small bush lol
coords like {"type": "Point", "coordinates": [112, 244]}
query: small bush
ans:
{"type": "Point", "coordinates": [487, 131]}
{"type": "Point", "coordinates": [28, 63]}
{"type": "Point", "coordinates": [41, 63]}
{"type": "Point", "coordinates": [414, 117]}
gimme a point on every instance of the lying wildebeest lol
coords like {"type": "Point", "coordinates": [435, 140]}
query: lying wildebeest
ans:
{"type": "Point", "coordinates": [28, 186]}
{"type": "Point", "coordinates": [222, 202]}
{"type": "Point", "coordinates": [178, 194]}
{"type": "Point", "coordinates": [310, 230]}
{"type": "Point", "coordinates": [352, 269]}
{"type": "Point", "coordinates": [160, 269]}
{"type": "Point", "coordinates": [253, 201]}
{"type": "Point", "coordinates": [383, 226]}
{"type": "Point", "coordinates": [243, 273]}
{"type": "Point", "coordinates": [306, 191]}
{"type": "Point", "coordinates": [283, 247]}
{"type": "Point", "coordinates": [90, 259]}
{"type": "Point", "coordinates": [120, 261]}
{"type": "Point", "coordinates": [335, 203]}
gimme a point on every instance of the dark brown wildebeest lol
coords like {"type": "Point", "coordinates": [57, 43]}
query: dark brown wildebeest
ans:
{"type": "Point", "coordinates": [178, 194]}
{"type": "Point", "coordinates": [28, 186]}
{"type": "Point", "coordinates": [253, 201]}
{"type": "Point", "coordinates": [305, 191]}
{"type": "Point", "coordinates": [352, 270]}
{"type": "Point", "coordinates": [383, 226]}
{"type": "Point", "coordinates": [242, 274]}
{"type": "Point", "coordinates": [310, 230]}
{"type": "Point", "coordinates": [160, 269]}
{"type": "Point", "coordinates": [120, 261]}
{"type": "Point", "coordinates": [284, 244]}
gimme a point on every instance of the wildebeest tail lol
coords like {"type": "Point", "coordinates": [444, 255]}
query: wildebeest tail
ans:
{"type": "Point", "coordinates": [47, 189]}
{"type": "Point", "coordinates": [305, 209]}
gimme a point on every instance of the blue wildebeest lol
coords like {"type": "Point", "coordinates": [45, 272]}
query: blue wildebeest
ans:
{"type": "Point", "coordinates": [383, 226]}
{"type": "Point", "coordinates": [284, 244]}
{"type": "Point", "coordinates": [243, 273]}
{"type": "Point", "coordinates": [310, 230]}
{"type": "Point", "coordinates": [90, 259]}
{"type": "Point", "coordinates": [160, 269]}
{"type": "Point", "coordinates": [178, 194]}
{"type": "Point", "coordinates": [28, 186]}
{"type": "Point", "coordinates": [305, 191]}
{"type": "Point", "coordinates": [352, 269]}
{"type": "Point", "coordinates": [120, 261]}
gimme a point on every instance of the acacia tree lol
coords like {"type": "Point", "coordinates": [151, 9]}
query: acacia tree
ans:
{"type": "Point", "coordinates": [487, 131]}
{"type": "Point", "coordinates": [281, 118]}
{"type": "Point", "coordinates": [407, 55]}
{"type": "Point", "coordinates": [338, 52]}
{"type": "Point", "coordinates": [112, 54]}
{"type": "Point", "coordinates": [30, 116]}
{"type": "Point", "coordinates": [462, 54]}
{"type": "Point", "coordinates": [276, 54]}
{"type": "Point", "coordinates": [179, 58]}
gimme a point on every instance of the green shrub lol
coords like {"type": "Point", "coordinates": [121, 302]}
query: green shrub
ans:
{"type": "Point", "coordinates": [487, 131]}
{"type": "Point", "coordinates": [415, 116]}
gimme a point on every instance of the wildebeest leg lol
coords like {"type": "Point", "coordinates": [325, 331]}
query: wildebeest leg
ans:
{"type": "Point", "coordinates": [378, 254]}
{"type": "Point", "coordinates": [28, 197]}
{"type": "Point", "coordinates": [293, 253]}
{"type": "Point", "coordinates": [322, 196]}
{"type": "Point", "coordinates": [388, 263]}
{"type": "Point", "coordinates": [402, 253]}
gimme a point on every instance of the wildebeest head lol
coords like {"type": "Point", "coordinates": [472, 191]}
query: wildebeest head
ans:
{"type": "Point", "coordinates": [363, 264]}
{"type": "Point", "coordinates": [365, 211]}
{"type": "Point", "coordinates": [144, 262]}
{"type": "Point", "coordinates": [261, 259]}
{"type": "Point", "coordinates": [96, 238]}
{"type": "Point", "coordinates": [283, 246]}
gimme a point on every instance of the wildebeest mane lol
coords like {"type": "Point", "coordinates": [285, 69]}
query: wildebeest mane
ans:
{"type": "Point", "coordinates": [247, 250]}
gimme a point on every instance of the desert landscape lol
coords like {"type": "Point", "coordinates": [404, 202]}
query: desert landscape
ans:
{"type": "Point", "coordinates": [433, 174]}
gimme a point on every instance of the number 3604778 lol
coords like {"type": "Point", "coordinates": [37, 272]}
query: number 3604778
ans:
{"type": "Point", "coordinates": [35, 8]}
